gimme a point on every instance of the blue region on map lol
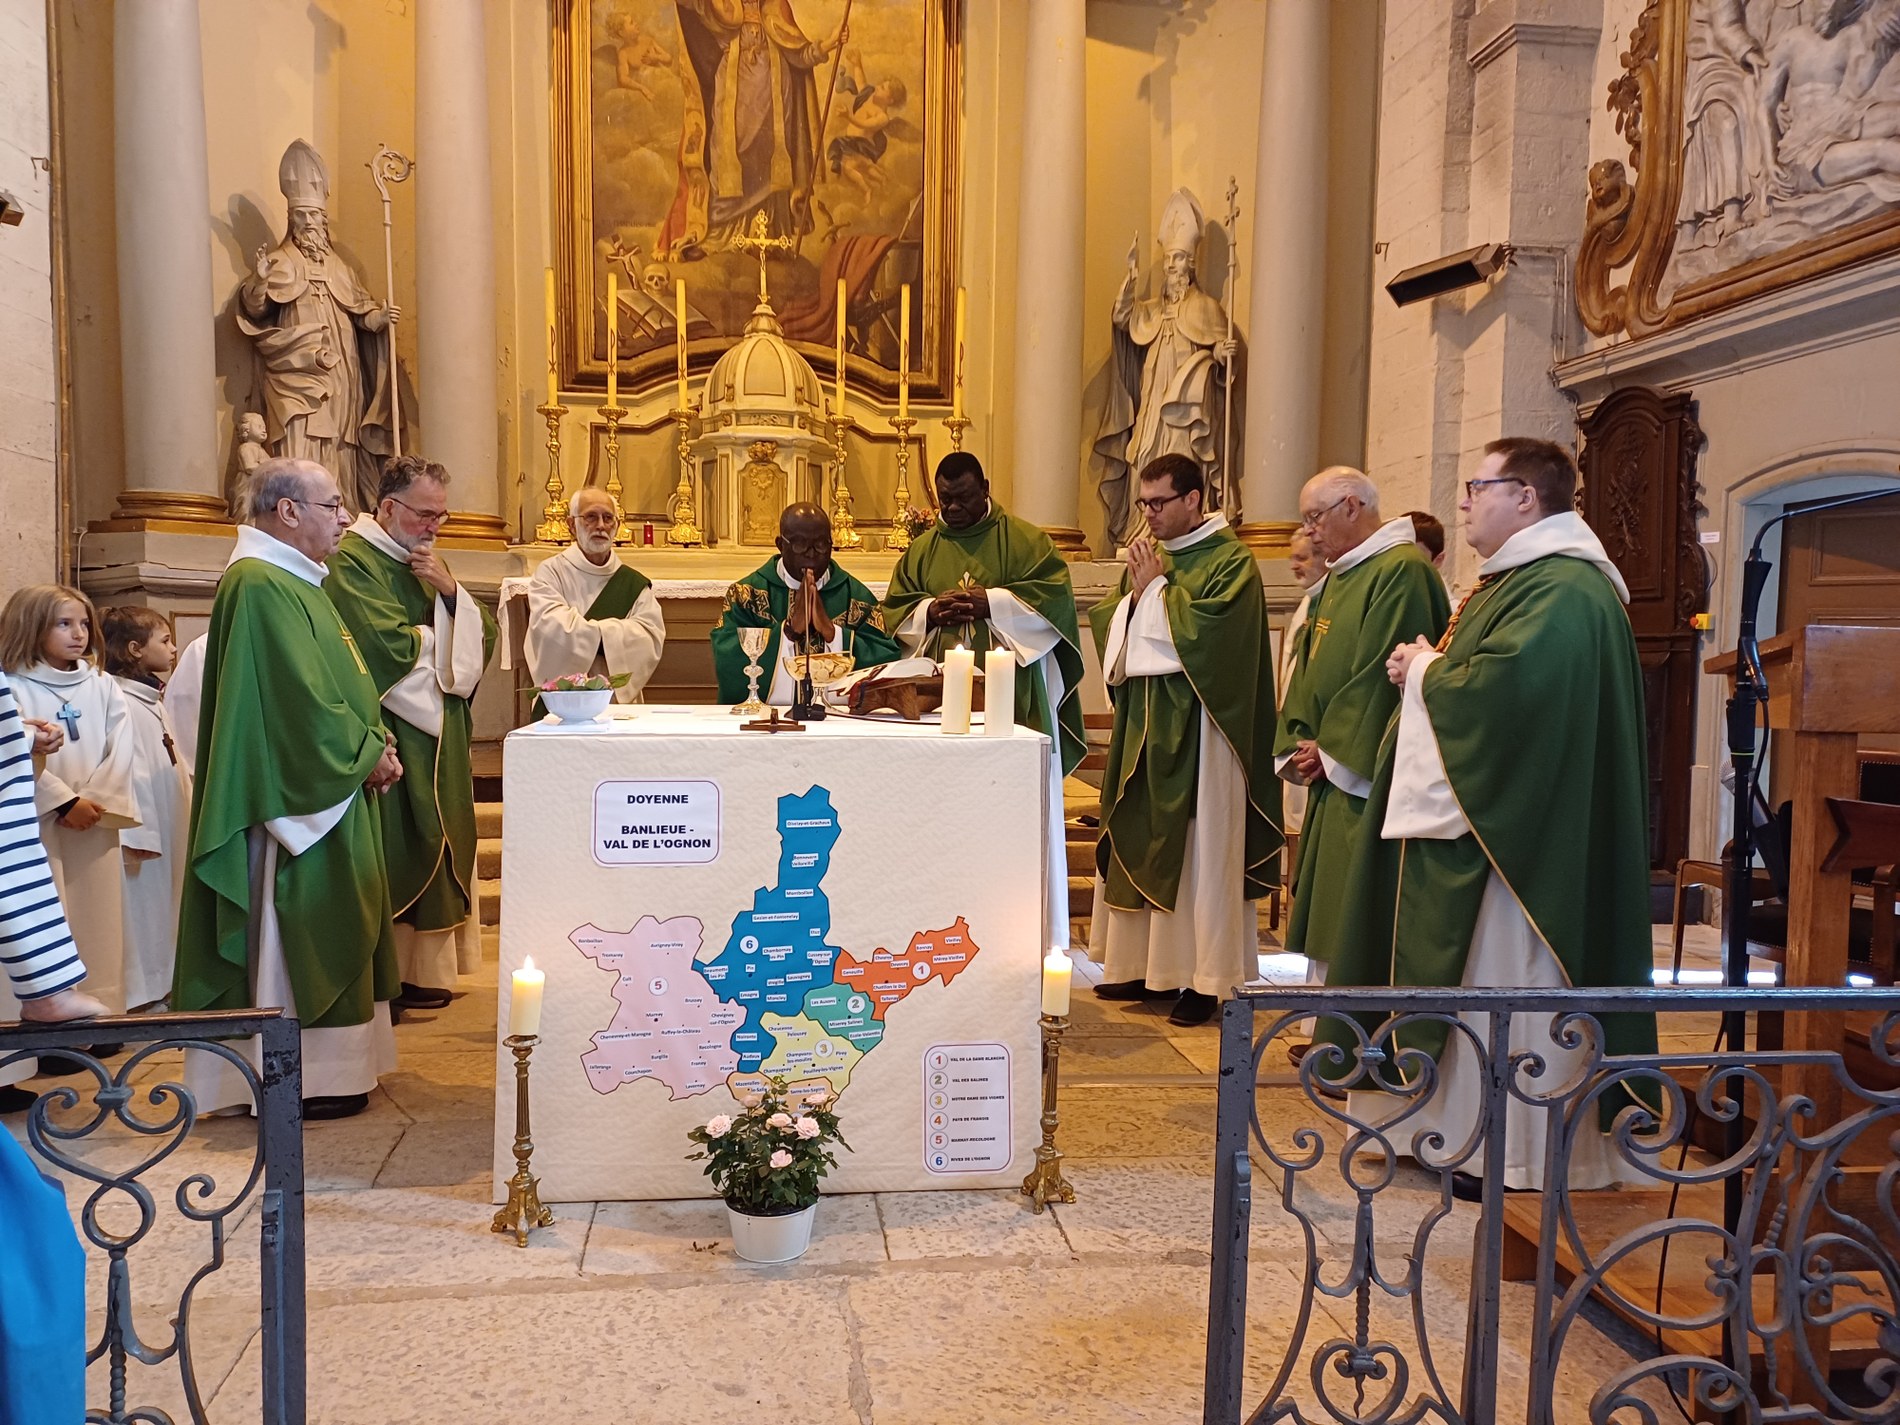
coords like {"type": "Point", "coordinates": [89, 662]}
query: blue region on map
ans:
{"type": "Point", "coordinates": [777, 951]}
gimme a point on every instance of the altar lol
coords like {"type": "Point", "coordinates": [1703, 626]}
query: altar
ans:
{"type": "Point", "coordinates": [856, 906]}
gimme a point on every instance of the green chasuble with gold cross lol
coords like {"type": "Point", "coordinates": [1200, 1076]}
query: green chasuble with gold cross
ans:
{"type": "Point", "coordinates": [763, 600]}
{"type": "Point", "coordinates": [290, 726]}
{"type": "Point", "coordinates": [1338, 695]}
{"type": "Point", "coordinates": [1537, 708]}
{"type": "Point", "coordinates": [429, 816]}
{"type": "Point", "coordinates": [1217, 617]}
{"type": "Point", "coordinates": [999, 551]}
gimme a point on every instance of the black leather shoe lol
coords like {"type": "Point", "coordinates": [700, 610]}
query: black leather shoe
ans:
{"type": "Point", "coordinates": [1193, 1008]}
{"type": "Point", "coordinates": [14, 1099]}
{"type": "Point", "coordinates": [330, 1106]}
{"type": "Point", "coordinates": [1131, 990]}
{"type": "Point", "coordinates": [422, 997]}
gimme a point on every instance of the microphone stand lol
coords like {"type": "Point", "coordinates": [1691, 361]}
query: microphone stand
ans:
{"type": "Point", "coordinates": [806, 705]}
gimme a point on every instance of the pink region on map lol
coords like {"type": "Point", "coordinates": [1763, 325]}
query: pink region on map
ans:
{"type": "Point", "coordinates": [670, 1026]}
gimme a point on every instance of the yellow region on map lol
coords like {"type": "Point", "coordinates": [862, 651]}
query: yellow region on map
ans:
{"type": "Point", "coordinates": [805, 1055]}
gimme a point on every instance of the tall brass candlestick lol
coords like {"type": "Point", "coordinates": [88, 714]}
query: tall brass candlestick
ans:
{"type": "Point", "coordinates": [844, 526]}
{"type": "Point", "coordinates": [900, 527]}
{"type": "Point", "coordinates": [685, 527]}
{"type": "Point", "coordinates": [1046, 1184]}
{"type": "Point", "coordinates": [956, 425]}
{"type": "Point", "coordinates": [524, 1210]}
{"type": "Point", "coordinates": [614, 415]}
{"type": "Point", "coordinates": [553, 527]}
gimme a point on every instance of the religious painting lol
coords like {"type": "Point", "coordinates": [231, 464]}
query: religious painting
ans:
{"type": "Point", "coordinates": [1765, 139]}
{"type": "Point", "coordinates": [685, 128]}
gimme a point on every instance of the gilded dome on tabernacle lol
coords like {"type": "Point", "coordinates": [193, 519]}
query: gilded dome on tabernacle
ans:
{"type": "Point", "coordinates": [761, 373]}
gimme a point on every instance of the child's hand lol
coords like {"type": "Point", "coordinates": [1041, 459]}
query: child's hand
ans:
{"type": "Point", "coordinates": [48, 737]}
{"type": "Point", "coordinates": [82, 815]}
{"type": "Point", "coordinates": [134, 855]}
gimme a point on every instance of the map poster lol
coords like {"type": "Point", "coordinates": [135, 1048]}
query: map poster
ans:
{"type": "Point", "coordinates": [841, 939]}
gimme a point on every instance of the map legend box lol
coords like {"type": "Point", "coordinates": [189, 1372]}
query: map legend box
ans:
{"type": "Point", "coordinates": [966, 1108]}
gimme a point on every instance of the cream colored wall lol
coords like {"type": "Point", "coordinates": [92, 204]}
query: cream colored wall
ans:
{"type": "Point", "coordinates": [29, 411]}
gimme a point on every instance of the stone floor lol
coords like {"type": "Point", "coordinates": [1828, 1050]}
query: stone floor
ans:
{"type": "Point", "coordinates": [911, 1309]}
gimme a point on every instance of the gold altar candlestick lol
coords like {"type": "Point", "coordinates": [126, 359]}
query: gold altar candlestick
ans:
{"type": "Point", "coordinates": [1046, 1184]}
{"type": "Point", "coordinates": [844, 526]}
{"type": "Point", "coordinates": [614, 415]}
{"type": "Point", "coordinates": [900, 529]}
{"type": "Point", "coordinates": [524, 1211]}
{"type": "Point", "coordinates": [553, 527]}
{"type": "Point", "coordinates": [956, 425]}
{"type": "Point", "coordinates": [685, 527]}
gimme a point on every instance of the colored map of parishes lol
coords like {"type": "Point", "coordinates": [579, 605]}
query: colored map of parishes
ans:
{"type": "Point", "coordinates": [670, 1026]}
{"type": "Point", "coordinates": [789, 1005]}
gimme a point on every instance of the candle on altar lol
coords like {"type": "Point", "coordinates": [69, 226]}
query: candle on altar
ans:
{"type": "Point", "coordinates": [903, 352]}
{"type": "Point", "coordinates": [679, 325]}
{"type": "Point", "coordinates": [1057, 972]}
{"type": "Point", "coordinates": [959, 677]}
{"type": "Point", "coordinates": [554, 385]}
{"type": "Point", "coordinates": [956, 392]}
{"type": "Point", "coordinates": [999, 693]}
{"type": "Point", "coordinates": [524, 1005]}
{"type": "Point", "coordinates": [613, 337]}
{"type": "Point", "coordinates": [838, 409]}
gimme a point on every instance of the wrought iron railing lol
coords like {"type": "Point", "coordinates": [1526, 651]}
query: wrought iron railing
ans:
{"type": "Point", "coordinates": [120, 1211]}
{"type": "Point", "coordinates": [1800, 1261]}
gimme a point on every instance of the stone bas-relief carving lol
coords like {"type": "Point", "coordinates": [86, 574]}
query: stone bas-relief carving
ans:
{"type": "Point", "coordinates": [322, 342]}
{"type": "Point", "coordinates": [1171, 352]}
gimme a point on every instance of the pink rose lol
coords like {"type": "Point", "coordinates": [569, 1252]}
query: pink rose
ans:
{"type": "Point", "coordinates": [816, 1100]}
{"type": "Point", "coordinates": [779, 1120]}
{"type": "Point", "coordinates": [807, 1127]}
{"type": "Point", "coordinates": [717, 1126]}
{"type": "Point", "coordinates": [781, 1159]}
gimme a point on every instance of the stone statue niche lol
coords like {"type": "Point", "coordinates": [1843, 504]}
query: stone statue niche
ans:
{"type": "Point", "coordinates": [322, 343]}
{"type": "Point", "coordinates": [1164, 389]}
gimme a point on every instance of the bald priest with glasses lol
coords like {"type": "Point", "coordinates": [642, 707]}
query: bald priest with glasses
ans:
{"type": "Point", "coordinates": [426, 640]}
{"type": "Point", "coordinates": [1379, 591]}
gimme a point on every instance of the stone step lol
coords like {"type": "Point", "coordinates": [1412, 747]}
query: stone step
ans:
{"type": "Point", "coordinates": [488, 857]}
{"type": "Point", "coordinates": [488, 897]}
{"type": "Point", "coordinates": [1081, 896]}
{"type": "Point", "coordinates": [1081, 857]}
{"type": "Point", "coordinates": [488, 819]}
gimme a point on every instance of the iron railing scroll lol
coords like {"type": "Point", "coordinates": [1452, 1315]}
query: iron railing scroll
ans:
{"type": "Point", "coordinates": [117, 1210]}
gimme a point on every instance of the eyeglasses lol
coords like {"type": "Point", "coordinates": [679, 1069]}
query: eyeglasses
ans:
{"type": "Point", "coordinates": [1155, 507]}
{"type": "Point", "coordinates": [1473, 486]}
{"type": "Point", "coordinates": [426, 516]}
{"type": "Point", "coordinates": [1312, 521]}
{"type": "Point", "coordinates": [331, 505]}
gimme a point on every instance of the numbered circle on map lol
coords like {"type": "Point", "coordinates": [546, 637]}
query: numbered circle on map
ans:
{"type": "Point", "coordinates": [936, 1140]}
{"type": "Point", "coordinates": [937, 1160]}
{"type": "Point", "coordinates": [937, 1100]}
{"type": "Point", "coordinates": [656, 986]}
{"type": "Point", "coordinates": [855, 1004]}
{"type": "Point", "coordinates": [936, 1061]}
{"type": "Point", "coordinates": [936, 1081]}
{"type": "Point", "coordinates": [824, 1049]}
{"type": "Point", "coordinates": [921, 972]}
{"type": "Point", "coordinates": [749, 944]}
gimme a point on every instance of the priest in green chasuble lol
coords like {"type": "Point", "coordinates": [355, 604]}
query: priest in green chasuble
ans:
{"type": "Point", "coordinates": [1190, 805]}
{"type": "Point", "coordinates": [286, 903]}
{"type": "Point", "coordinates": [1379, 591]}
{"type": "Point", "coordinates": [980, 577]}
{"type": "Point", "coordinates": [590, 613]}
{"type": "Point", "coordinates": [426, 640]}
{"type": "Point", "coordinates": [808, 601]}
{"type": "Point", "coordinates": [1505, 842]}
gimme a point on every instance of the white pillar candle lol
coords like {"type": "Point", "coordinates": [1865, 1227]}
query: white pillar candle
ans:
{"type": "Point", "coordinates": [524, 1007]}
{"type": "Point", "coordinates": [999, 693]}
{"type": "Point", "coordinates": [959, 676]}
{"type": "Point", "coordinates": [1056, 973]}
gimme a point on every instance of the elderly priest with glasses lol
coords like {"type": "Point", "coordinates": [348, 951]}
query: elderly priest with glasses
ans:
{"type": "Point", "coordinates": [1190, 805]}
{"type": "Point", "coordinates": [426, 640]}
{"type": "Point", "coordinates": [590, 613]}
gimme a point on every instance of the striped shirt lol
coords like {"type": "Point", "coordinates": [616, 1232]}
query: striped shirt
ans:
{"type": "Point", "coordinates": [36, 944]}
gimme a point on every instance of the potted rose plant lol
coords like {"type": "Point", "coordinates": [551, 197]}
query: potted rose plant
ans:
{"type": "Point", "coordinates": [578, 697]}
{"type": "Point", "coordinates": [766, 1161]}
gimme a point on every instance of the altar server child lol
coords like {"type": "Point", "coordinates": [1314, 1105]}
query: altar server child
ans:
{"type": "Point", "coordinates": [84, 791]}
{"type": "Point", "coordinates": [139, 653]}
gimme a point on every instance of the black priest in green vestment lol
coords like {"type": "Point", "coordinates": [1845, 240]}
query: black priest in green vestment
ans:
{"type": "Point", "coordinates": [808, 601]}
{"type": "Point", "coordinates": [1190, 805]}
{"type": "Point", "coordinates": [1380, 591]}
{"type": "Point", "coordinates": [1505, 842]}
{"type": "Point", "coordinates": [426, 640]}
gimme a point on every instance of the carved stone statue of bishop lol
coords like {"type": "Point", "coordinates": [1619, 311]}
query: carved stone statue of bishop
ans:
{"type": "Point", "coordinates": [322, 341]}
{"type": "Point", "coordinates": [1164, 392]}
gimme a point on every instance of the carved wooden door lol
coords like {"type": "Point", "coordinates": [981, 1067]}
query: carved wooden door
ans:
{"type": "Point", "coordinates": [1640, 496]}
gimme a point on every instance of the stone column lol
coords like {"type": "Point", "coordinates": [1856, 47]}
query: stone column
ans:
{"type": "Point", "coordinates": [1286, 316]}
{"type": "Point", "coordinates": [166, 309]}
{"type": "Point", "coordinates": [1049, 287]}
{"type": "Point", "coordinates": [455, 265]}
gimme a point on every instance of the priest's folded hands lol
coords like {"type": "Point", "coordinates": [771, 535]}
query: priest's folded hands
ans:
{"type": "Point", "coordinates": [1401, 660]}
{"type": "Point", "coordinates": [388, 769]}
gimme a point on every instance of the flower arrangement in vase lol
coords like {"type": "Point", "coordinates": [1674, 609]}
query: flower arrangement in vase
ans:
{"type": "Point", "coordinates": [766, 1161]}
{"type": "Point", "coordinates": [580, 697]}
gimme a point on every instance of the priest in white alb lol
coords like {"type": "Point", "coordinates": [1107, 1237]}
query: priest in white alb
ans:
{"type": "Point", "coordinates": [588, 612]}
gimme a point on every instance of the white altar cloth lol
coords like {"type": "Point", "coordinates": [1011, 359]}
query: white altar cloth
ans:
{"type": "Point", "coordinates": [859, 903]}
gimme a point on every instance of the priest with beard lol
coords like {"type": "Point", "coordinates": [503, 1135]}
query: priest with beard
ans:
{"type": "Point", "coordinates": [808, 601]}
{"type": "Point", "coordinates": [588, 612]}
{"type": "Point", "coordinates": [1190, 804]}
{"type": "Point", "coordinates": [1505, 838]}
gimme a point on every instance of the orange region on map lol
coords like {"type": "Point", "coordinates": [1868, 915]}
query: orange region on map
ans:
{"type": "Point", "coordinates": [889, 975]}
